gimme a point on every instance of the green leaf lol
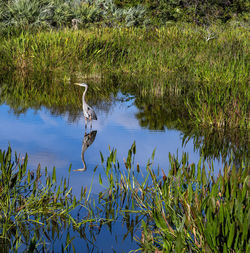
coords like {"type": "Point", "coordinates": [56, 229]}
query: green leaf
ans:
{"type": "Point", "coordinates": [74, 202]}
{"type": "Point", "coordinates": [1, 157]}
{"type": "Point", "coordinates": [225, 250]}
{"type": "Point", "coordinates": [204, 177]}
{"type": "Point", "coordinates": [134, 148]}
{"type": "Point", "coordinates": [231, 235]}
{"type": "Point", "coordinates": [159, 221]}
{"type": "Point", "coordinates": [153, 154]}
{"type": "Point", "coordinates": [100, 179]}
{"type": "Point", "coordinates": [54, 175]}
{"type": "Point", "coordinates": [102, 159]}
{"type": "Point", "coordinates": [114, 157]}
{"type": "Point", "coordinates": [179, 246]}
{"type": "Point", "coordinates": [190, 193]}
{"type": "Point", "coordinates": [199, 171]}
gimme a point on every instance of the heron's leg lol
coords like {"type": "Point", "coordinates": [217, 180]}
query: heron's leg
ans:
{"type": "Point", "coordinates": [86, 122]}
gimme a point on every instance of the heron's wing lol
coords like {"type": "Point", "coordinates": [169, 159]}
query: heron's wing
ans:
{"type": "Point", "coordinates": [94, 116]}
{"type": "Point", "coordinates": [92, 113]}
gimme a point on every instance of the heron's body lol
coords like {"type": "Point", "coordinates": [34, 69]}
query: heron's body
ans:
{"type": "Point", "coordinates": [88, 112]}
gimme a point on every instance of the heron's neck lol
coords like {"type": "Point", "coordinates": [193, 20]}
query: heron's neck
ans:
{"type": "Point", "coordinates": [83, 95]}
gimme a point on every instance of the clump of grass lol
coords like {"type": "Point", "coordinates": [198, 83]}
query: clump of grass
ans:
{"type": "Point", "coordinates": [190, 209]}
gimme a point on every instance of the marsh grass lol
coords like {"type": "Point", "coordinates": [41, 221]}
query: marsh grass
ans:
{"type": "Point", "coordinates": [190, 209]}
{"type": "Point", "coordinates": [210, 76]}
{"type": "Point", "coordinates": [58, 95]}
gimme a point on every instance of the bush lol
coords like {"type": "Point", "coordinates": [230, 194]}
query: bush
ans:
{"type": "Point", "coordinates": [200, 12]}
{"type": "Point", "coordinates": [24, 14]}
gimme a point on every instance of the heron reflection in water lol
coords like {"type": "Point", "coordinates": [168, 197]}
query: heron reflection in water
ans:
{"type": "Point", "coordinates": [88, 112]}
{"type": "Point", "coordinates": [87, 141]}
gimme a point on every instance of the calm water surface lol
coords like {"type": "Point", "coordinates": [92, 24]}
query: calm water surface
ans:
{"type": "Point", "coordinates": [56, 140]}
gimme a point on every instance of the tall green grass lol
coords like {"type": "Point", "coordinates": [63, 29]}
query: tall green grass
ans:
{"type": "Point", "coordinates": [206, 69]}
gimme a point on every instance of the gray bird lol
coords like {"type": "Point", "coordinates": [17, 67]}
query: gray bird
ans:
{"type": "Point", "coordinates": [88, 112]}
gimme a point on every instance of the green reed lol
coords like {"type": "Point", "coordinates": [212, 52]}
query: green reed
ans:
{"type": "Point", "coordinates": [206, 69]}
{"type": "Point", "coordinates": [190, 209]}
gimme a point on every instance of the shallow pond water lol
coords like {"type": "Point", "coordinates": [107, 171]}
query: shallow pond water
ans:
{"type": "Point", "coordinates": [59, 139]}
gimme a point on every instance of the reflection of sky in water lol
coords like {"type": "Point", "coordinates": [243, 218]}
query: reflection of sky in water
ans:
{"type": "Point", "coordinates": [52, 141]}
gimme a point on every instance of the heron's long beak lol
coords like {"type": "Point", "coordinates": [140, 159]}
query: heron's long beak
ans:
{"type": "Point", "coordinates": [81, 84]}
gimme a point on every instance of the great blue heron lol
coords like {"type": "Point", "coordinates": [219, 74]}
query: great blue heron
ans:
{"type": "Point", "coordinates": [87, 141]}
{"type": "Point", "coordinates": [88, 112]}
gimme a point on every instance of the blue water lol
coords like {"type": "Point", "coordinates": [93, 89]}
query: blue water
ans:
{"type": "Point", "coordinates": [57, 141]}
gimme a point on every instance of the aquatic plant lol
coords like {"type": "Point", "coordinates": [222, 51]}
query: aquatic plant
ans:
{"type": "Point", "coordinates": [190, 209]}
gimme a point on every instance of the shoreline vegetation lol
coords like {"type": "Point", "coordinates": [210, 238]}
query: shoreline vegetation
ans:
{"type": "Point", "coordinates": [25, 14]}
